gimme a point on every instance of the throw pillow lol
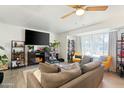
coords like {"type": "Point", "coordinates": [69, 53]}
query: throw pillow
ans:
{"type": "Point", "coordinates": [102, 58]}
{"type": "Point", "coordinates": [78, 56]}
{"type": "Point", "coordinates": [48, 68]}
{"type": "Point", "coordinates": [54, 80]}
{"type": "Point", "coordinates": [86, 59]}
{"type": "Point", "coordinates": [89, 66]}
{"type": "Point", "coordinates": [70, 67]}
{"type": "Point", "coordinates": [37, 74]}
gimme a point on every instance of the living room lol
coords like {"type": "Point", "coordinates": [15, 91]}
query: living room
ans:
{"type": "Point", "coordinates": [54, 40]}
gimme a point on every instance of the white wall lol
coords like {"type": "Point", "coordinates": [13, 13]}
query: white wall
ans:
{"type": "Point", "coordinates": [8, 33]}
{"type": "Point", "coordinates": [11, 32]}
{"type": "Point", "coordinates": [63, 38]}
{"type": "Point", "coordinates": [63, 45]}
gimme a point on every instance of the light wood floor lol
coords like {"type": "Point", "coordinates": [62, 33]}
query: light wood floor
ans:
{"type": "Point", "coordinates": [15, 79]}
{"type": "Point", "coordinates": [112, 80]}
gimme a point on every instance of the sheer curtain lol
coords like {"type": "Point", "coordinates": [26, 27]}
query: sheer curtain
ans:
{"type": "Point", "coordinates": [100, 44]}
{"type": "Point", "coordinates": [95, 44]}
{"type": "Point", "coordinates": [112, 48]}
{"type": "Point", "coordinates": [78, 44]}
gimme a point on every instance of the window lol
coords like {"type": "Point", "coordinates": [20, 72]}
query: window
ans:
{"type": "Point", "coordinates": [95, 44]}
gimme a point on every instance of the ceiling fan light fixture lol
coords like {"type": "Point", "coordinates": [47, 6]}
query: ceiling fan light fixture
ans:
{"type": "Point", "coordinates": [79, 12]}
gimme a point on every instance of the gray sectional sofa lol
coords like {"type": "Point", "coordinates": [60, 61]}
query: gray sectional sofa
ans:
{"type": "Point", "coordinates": [91, 77]}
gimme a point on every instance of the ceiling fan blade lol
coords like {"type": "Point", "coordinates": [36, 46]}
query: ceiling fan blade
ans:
{"type": "Point", "coordinates": [84, 7]}
{"type": "Point", "coordinates": [72, 6]}
{"type": "Point", "coordinates": [96, 8]}
{"type": "Point", "coordinates": [68, 14]}
{"type": "Point", "coordinates": [76, 6]}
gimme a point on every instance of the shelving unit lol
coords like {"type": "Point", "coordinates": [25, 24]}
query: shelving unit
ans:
{"type": "Point", "coordinates": [71, 49]}
{"type": "Point", "coordinates": [17, 54]}
{"type": "Point", "coordinates": [120, 56]}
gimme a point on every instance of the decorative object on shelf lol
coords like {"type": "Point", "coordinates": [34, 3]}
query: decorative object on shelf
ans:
{"type": "Point", "coordinates": [30, 48]}
{"type": "Point", "coordinates": [47, 49]}
{"type": "Point", "coordinates": [17, 54]}
{"type": "Point", "coordinates": [40, 55]}
{"type": "Point", "coordinates": [40, 50]}
{"type": "Point", "coordinates": [1, 77]}
{"type": "Point", "coordinates": [54, 51]}
{"type": "Point", "coordinates": [3, 59]}
{"type": "Point", "coordinates": [47, 53]}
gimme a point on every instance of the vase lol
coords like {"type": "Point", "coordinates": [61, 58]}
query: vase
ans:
{"type": "Point", "coordinates": [1, 77]}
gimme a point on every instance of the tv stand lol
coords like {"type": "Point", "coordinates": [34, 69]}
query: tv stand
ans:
{"type": "Point", "coordinates": [35, 58]}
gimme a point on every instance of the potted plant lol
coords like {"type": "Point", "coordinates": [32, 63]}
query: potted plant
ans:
{"type": "Point", "coordinates": [46, 49]}
{"type": "Point", "coordinates": [55, 44]}
{"type": "Point", "coordinates": [3, 62]}
{"type": "Point", "coordinates": [54, 48]}
{"type": "Point", "coordinates": [31, 48]}
{"type": "Point", "coordinates": [3, 59]}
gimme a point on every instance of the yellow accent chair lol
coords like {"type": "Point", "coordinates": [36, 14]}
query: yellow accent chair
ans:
{"type": "Point", "coordinates": [107, 63]}
{"type": "Point", "coordinates": [76, 57]}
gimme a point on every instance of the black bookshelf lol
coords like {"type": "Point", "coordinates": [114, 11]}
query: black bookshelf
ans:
{"type": "Point", "coordinates": [120, 56]}
{"type": "Point", "coordinates": [71, 50]}
{"type": "Point", "coordinates": [17, 54]}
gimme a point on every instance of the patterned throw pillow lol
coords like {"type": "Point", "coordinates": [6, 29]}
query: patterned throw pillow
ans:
{"type": "Point", "coordinates": [70, 67]}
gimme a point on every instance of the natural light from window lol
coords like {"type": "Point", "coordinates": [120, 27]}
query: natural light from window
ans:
{"type": "Point", "coordinates": [95, 44]}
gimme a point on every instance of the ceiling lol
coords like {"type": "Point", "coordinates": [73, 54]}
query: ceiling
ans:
{"type": "Point", "coordinates": [47, 17]}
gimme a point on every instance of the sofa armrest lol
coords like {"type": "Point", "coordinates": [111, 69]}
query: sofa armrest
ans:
{"type": "Point", "coordinates": [32, 82]}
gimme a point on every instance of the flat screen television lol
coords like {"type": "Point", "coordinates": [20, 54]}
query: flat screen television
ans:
{"type": "Point", "coordinates": [36, 38]}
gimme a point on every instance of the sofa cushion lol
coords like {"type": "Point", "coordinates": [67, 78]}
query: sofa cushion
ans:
{"type": "Point", "coordinates": [48, 68]}
{"type": "Point", "coordinates": [54, 80]}
{"type": "Point", "coordinates": [86, 59]}
{"type": "Point", "coordinates": [89, 66]}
